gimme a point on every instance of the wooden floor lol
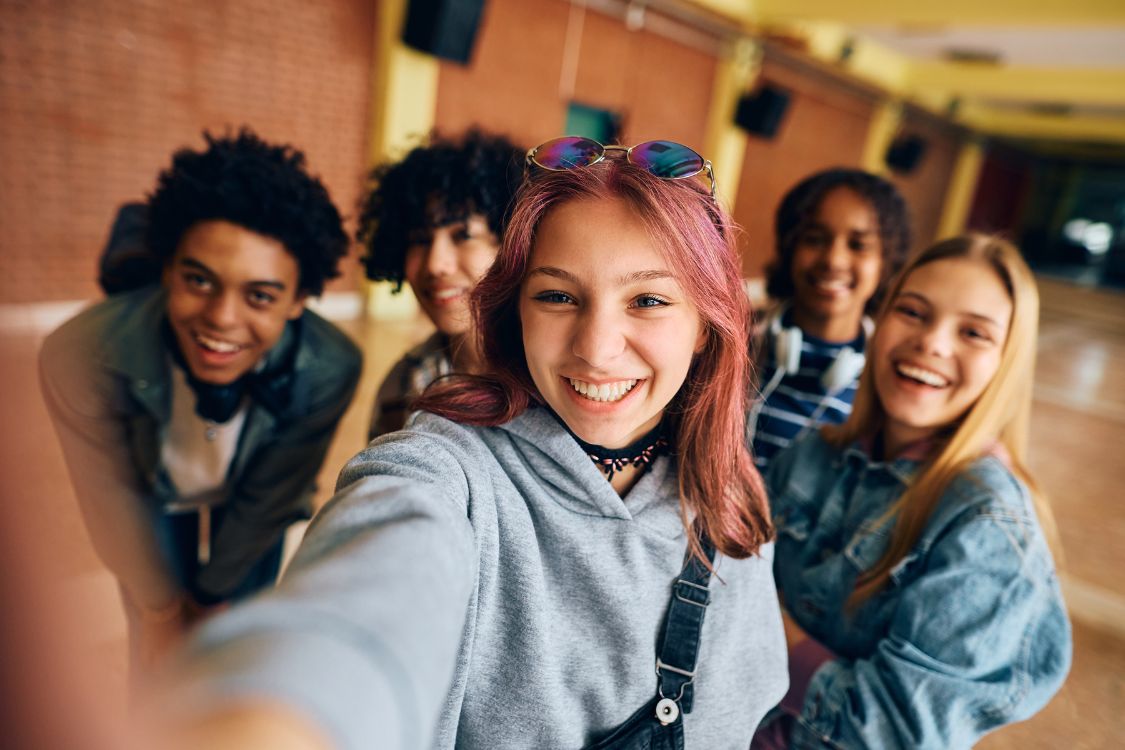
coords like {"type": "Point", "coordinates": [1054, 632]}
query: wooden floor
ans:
{"type": "Point", "coordinates": [1078, 454]}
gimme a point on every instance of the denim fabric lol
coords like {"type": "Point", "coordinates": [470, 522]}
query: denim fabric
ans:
{"type": "Point", "coordinates": [643, 732]}
{"type": "Point", "coordinates": [970, 634]}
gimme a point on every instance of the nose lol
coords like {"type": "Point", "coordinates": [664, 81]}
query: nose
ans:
{"type": "Point", "coordinates": [836, 252]}
{"type": "Point", "coordinates": [221, 311]}
{"type": "Point", "coordinates": [599, 337]}
{"type": "Point", "coordinates": [441, 257]}
{"type": "Point", "coordinates": [936, 339]}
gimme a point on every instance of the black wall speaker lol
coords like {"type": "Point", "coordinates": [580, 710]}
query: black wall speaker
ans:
{"type": "Point", "coordinates": [443, 28]}
{"type": "Point", "coordinates": [905, 153]}
{"type": "Point", "coordinates": [760, 112]}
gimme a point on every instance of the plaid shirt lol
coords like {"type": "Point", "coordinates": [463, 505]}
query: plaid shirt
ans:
{"type": "Point", "coordinates": [418, 368]}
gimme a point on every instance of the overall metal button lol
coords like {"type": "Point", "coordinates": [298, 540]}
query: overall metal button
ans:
{"type": "Point", "coordinates": [667, 711]}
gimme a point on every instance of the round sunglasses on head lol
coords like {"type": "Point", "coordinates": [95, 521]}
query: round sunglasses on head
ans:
{"type": "Point", "coordinates": [667, 160]}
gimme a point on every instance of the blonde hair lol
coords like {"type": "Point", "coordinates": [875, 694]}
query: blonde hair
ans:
{"type": "Point", "coordinates": [1000, 415]}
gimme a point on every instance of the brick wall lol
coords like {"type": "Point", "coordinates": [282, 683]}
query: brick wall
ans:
{"type": "Point", "coordinates": [925, 186]}
{"type": "Point", "coordinates": [95, 95]}
{"type": "Point", "coordinates": [512, 85]}
{"type": "Point", "coordinates": [824, 126]}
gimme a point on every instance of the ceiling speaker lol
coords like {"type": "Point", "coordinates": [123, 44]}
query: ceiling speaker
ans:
{"type": "Point", "coordinates": [443, 28]}
{"type": "Point", "coordinates": [905, 153]}
{"type": "Point", "coordinates": [761, 111]}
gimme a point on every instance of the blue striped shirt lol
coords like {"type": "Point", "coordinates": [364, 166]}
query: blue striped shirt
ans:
{"type": "Point", "coordinates": [789, 408]}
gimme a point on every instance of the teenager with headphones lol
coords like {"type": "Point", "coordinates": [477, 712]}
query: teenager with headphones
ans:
{"type": "Point", "coordinates": [840, 234]}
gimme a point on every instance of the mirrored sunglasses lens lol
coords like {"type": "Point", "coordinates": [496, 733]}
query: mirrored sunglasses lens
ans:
{"type": "Point", "coordinates": [667, 159]}
{"type": "Point", "coordinates": [568, 153]}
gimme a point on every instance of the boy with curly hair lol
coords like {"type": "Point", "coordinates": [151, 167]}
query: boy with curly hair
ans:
{"type": "Point", "coordinates": [194, 414]}
{"type": "Point", "coordinates": [434, 219]}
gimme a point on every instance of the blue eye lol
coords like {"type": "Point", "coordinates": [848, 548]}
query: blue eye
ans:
{"type": "Point", "coordinates": [650, 300]}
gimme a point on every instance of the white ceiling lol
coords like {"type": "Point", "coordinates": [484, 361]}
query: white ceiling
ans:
{"type": "Point", "coordinates": [1060, 47]}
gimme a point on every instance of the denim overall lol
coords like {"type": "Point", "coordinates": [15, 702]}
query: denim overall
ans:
{"type": "Point", "coordinates": [659, 724]}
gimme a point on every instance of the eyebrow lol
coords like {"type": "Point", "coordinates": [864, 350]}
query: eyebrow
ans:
{"type": "Point", "coordinates": [966, 313]}
{"type": "Point", "coordinates": [629, 278]}
{"type": "Point", "coordinates": [192, 263]}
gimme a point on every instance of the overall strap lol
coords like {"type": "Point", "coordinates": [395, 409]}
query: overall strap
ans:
{"type": "Point", "coordinates": [683, 628]}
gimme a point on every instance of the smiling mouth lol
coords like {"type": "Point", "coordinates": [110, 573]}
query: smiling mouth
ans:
{"type": "Point", "coordinates": [446, 294]}
{"type": "Point", "coordinates": [606, 392]}
{"type": "Point", "coordinates": [215, 345]}
{"type": "Point", "coordinates": [831, 285]}
{"type": "Point", "coordinates": [921, 375]}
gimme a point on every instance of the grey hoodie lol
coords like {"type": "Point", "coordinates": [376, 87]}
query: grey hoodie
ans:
{"type": "Point", "coordinates": [487, 588]}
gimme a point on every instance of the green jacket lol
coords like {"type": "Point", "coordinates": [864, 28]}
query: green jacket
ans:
{"type": "Point", "coordinates": [106, 379]}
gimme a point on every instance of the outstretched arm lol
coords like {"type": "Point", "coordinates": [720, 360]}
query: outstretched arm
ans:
{"type": "Point", "coordinates": [360, 638]}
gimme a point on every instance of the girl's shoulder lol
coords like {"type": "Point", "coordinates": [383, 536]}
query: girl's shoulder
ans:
{"type": "Point", "coordinates": [800, 469]}
{"type": "Point", "coordinates": [427, 443]}
{"type": "Point", "coordinates": [987, 499]}
{"type": "Point", "coordinates": [988, 486]}
{"type": "Point", "coordinates": [532, 437]}
{"type": "Point", "coordinates": [810, 453]}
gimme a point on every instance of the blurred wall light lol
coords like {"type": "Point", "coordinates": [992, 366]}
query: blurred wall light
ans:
{"type": "Point", "coordinates": [1096, 237]}
{"type": "Point", "coordinates": [1074, 230]}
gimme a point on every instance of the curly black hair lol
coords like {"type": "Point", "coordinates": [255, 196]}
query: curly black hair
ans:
{"type": "Point", "coordinates": [798, 209]}
{"type": "Point", "coordinates": [256, 185]}
{"type": "Point", "coordinates": [437, 184]}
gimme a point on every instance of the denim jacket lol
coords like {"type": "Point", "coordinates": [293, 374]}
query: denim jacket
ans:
{"type": "Point", "coordinates": [970, 634]}
{"type": "Point", "coordinates": [106, 379]}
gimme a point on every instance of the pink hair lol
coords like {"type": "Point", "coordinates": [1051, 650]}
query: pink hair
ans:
{"type": "Point", "coordinates": [721, 493]}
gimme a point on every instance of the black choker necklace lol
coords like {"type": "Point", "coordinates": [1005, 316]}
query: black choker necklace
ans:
{"type": "Point", "coordinates": [640, 452]}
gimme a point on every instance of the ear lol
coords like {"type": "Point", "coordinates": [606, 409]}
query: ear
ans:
{"type": "Point", "coordinates": [298, 306]}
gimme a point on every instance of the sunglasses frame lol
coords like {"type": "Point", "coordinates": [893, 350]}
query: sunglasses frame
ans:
{"type": "Point", "coordinates": [530, 159]}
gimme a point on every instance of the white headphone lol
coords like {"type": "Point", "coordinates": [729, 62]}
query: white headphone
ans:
{"type": "Point", "coordinates": [787, 354]}
{"type": "Point", "coordinates": [845, 368]}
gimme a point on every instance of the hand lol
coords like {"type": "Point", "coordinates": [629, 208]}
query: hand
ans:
{"type": "Point", "coordinates": [794, 633]}
{"type": "Point", "coordinates": [241, 725]}
{"type": "Point", "coordinates": [161, 631]}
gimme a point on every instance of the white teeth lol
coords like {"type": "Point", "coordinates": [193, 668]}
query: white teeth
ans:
{"type": "Point", "coordinates": [922, 376]}
{"type": "Point", "coordinates": [604, 392]}
{"type": "Point", "coordinates": [444, 294]}
{"type": "Point", "coordinates": [831, 284]}
{"type": "Point", "coordinates": [215, 345]}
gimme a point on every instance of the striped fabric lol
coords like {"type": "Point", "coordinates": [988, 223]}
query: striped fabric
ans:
{"type": "Point", "coordinates": [788, 409]}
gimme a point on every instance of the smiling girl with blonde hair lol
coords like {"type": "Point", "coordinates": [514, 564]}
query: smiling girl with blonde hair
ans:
{"type": "Point", "coordinates": [923, 604]}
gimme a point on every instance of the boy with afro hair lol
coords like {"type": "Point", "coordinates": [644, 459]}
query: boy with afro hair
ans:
{"type": "Point", "coordinates": [195, 413]}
